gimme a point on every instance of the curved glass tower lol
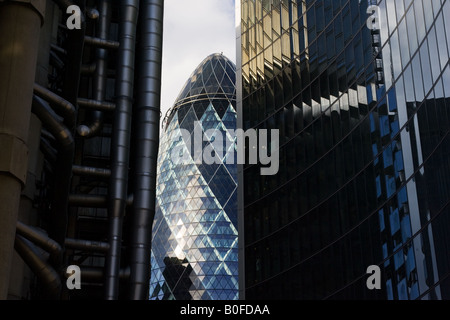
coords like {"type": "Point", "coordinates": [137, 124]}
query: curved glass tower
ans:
{"type": "Point", "coordinates": [360, 91]}
{"type": "Point", "coordinates": [194, 246]}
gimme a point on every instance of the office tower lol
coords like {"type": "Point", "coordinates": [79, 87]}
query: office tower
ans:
{"type": "Point", "coordinates": [79, 135]}
{"type": "Point", "coordinates": [359, 91]}
{"type": "Point", "coordinates": [194, 240]}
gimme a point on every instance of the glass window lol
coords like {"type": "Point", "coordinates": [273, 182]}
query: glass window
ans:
{"type": "Point", "coordinates": [429, 19]}
{"type": "Point", "coordinates": [446, 15]}
{"type": "Point", "coordinates": [392, 19]}
{"type": "Point", "coordinates": [404, 43]}
{"type": "Point", "coordinates": [418, 80]}
{"type": "Point", "coordinates": [412, 34]}
{"type": "Point", "coordinates": [434, 54]}
{"type": "Point", "coordinates": [426, 68]}
{"type": "Point", "coordinates": [420, 21]}
{"type": "Point", "coordinates": [441, 39]}
{"type": "Point", "coordinates": [396, 57]}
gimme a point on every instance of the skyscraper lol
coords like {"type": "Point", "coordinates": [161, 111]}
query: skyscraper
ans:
{"type": "Point", "coordinates": [194, 239]}
{"type": "Point", "coordinates": [359, 91]}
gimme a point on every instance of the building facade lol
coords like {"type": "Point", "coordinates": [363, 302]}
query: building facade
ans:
{"type": "Point", "coordinates": [194, 240]}
{"type": "Point", "coordinates": [79, 136]}
{"type": "Point", "coordinates": [359, 91]}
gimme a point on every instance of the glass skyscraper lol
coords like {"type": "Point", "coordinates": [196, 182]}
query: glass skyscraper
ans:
{"type": "Point", "coordinates": [194, 241]}
{"type": "Point", "coordinates": [360, 91]}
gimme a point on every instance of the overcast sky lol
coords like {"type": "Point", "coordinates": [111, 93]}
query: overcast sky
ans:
{"type": "Point", "coordinates": [193, 30]}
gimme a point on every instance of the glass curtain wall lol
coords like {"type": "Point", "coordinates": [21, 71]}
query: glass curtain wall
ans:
{"type": "Point", "coordinates": [194, 240]}
{"type": "Point", "coordinates": [360, 92]}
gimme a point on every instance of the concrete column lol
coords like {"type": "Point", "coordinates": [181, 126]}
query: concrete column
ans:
{"type": "Point", "coordinates": [20, 22]}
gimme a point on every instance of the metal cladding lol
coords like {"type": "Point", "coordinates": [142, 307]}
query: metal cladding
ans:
{"type": "Point", "coordinates": [147, 115]}
{"type": "Point", "coordinates": [194, 240]}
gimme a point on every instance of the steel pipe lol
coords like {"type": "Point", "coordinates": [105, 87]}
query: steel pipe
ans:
{"type": "Point", "coordinates": [120, 143]}
{"type": "Point", "coordinates": [147, 141]}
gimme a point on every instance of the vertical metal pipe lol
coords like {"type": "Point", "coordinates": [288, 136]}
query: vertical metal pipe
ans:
{"type": "Point", "coordinates": [147, 112]}
{"type": "Point", "coordinates": [120, 144]}
{"type": "Point", "coordinates": [20, 24]}
{"type": "Point", "coordinates": [100, 77]}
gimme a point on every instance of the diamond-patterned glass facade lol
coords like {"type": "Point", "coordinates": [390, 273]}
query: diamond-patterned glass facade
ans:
{"type": "Point", "coordinates": [195, 240]}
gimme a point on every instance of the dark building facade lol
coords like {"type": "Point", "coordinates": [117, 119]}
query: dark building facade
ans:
{"type": "Point", "coordinates": [195, 232]}
{"type": "Point", "coordinates": [79, 137]}
{"type": "Point", "coordinates": [359, 91]}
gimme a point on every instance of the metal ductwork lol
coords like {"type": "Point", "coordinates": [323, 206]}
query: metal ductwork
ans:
{"type": "Point", "coordinates": [20, 24]}
{"type": "Point", "coordinates": [90, 171]}
{"type": "Point", "coordinates": [45, 272]}
{"type": "Point", "coordinates": [97, 105]}
{"type": "Point", "coordinates": [101, 43]}
{"type": "Point", "coordinates": [85, 219]}
{"type": "Point", "coordinates": [74, 45]}
{"type": "Point", "coordinates": [147, 113]}
{"type": "Point", "coordinates": [40, 239]}
{"type": "Point", "coordinates": [58, 213]}
{"type": "Point", "coordinates": [99, 83]}
{"type": "Point", "coordinates": [92, 274]}
{"type": "Point", "coordinates": [87, 245]}
{"type": "Point", "coordinates": [64, 107]}
{"type": "Point", "coordinates": [120, 143]}
{"type": "Point", "coordinates": [88, 200]}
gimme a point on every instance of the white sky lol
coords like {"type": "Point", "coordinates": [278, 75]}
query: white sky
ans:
{"type": "Point", "coordinates": [193, 30]}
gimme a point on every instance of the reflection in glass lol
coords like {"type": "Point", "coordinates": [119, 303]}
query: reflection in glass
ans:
{"type": "Point", "coordinates": [194, 239]}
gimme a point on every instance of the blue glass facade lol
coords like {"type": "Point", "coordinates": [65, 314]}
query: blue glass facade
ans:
{"type": "Point", "coordinates": [194, 240]}
{"type": "Point", "coordinates": [360, 92]}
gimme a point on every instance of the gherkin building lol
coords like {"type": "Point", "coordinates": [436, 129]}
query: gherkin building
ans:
{"type": "Point", "coordinates": [195, 240]}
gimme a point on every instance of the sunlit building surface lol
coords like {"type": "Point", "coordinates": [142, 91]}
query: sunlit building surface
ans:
{"type": "Point", "coordinates": [194, 240]}
{"type": "Point", "coordinates": [360, 91]}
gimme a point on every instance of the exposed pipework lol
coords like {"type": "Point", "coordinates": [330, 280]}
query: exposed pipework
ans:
{"type": "Point", "coordinates": [90, 171]}
{"type": "Point", "coordinates": [99, 83]}
{"type": "Point", "coordinates": [74, 45]}
{"type": "Point", "coordinates": [49, 152]}
{"type": "Point", "coordinates": [20, 24]}
{"type": "Point", "coordinates": [39, 238]}
{"type": "Point", "coordinates": [44, 271]}
{"type": "Point", "coordinates": [87, 245]}
{"type": "Point", "coordinates": [88, 68]}
{"type": "Point", "coordinates": [147, 139]}
{"type": "Point", "coordinates": [101, 42]}
{"type": "Point", "coordinates": [120, 143]}
{"type": "Point", "coordinates": [64, 107]}
{"type": "Point", "coordinates": [94, 104]}
{"type": "Point", "coordinates": [92, 274]}
{"type": "Point", "coordinates": [88, 200]}
{"type": "Point", "coordinates": [94, 201]}
{"type": "Point", "coordinates": [58, 213]}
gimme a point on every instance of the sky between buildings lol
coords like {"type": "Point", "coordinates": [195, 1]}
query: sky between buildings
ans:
{"type": "Point", "coordinates": [193, 30]}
